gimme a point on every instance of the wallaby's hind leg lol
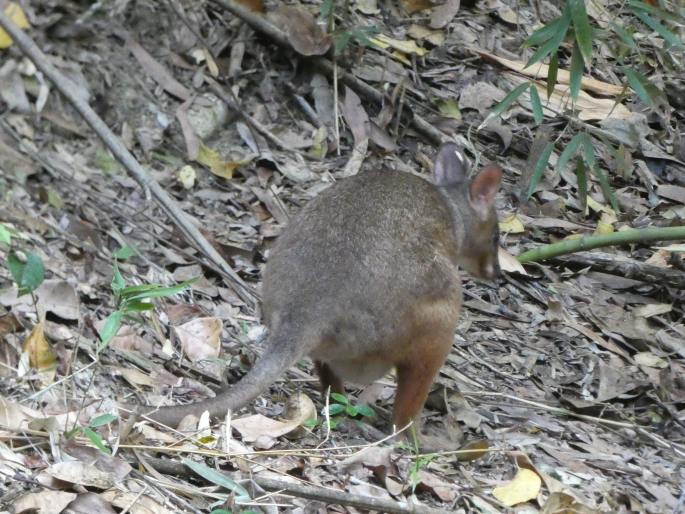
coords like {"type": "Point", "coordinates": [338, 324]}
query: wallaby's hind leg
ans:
{"type": "Point", "coordinates": [415, 375]}
{"type": "Point", "coordinates": [328, 378]}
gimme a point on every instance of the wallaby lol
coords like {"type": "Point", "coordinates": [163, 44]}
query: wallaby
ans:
{"type": "Point", "coordinates": [364, 278]}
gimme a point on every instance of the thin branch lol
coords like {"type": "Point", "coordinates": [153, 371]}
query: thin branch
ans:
{"type": "Point", "coordinates": [135, 170]}
{"type": "Point", "coordinates": [304, 490]}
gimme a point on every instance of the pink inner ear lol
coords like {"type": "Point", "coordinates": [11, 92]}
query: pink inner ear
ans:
{"type": "Point", "coordinates": [485, 185]}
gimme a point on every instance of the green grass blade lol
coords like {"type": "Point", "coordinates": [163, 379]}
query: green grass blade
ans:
{"type": "Point", "coordinates": [216, 477]}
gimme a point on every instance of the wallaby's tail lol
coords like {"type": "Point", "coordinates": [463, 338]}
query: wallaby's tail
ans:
{"type": "Point", "coordinates": [280, 353]}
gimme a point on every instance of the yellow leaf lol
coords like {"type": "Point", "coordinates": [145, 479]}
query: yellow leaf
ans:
{"type": "Point", "coordinates": [406, 46]}
{"type": "Point", "coordinates": [14, 12]}
{"type": "Point", "coordinates": [511, 224]}
{"type": "Point", "coordinates": [450, 109]}
{"type": "Point", "coordinates": [604, 225]}
{"type": "Point", "coordinates": [38, 349]}
{"type": "Point", "coordinates": [525, 486]}
{"type": "Point", "coordinates": [213, 160]}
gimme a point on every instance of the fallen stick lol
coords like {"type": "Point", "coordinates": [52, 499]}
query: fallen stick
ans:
{"type": "Point", "coordinates": [303, 490]}
{"type": "Point", "coordinates": [134, 169]}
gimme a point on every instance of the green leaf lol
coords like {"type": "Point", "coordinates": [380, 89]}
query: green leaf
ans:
{"type": "Point", "coordinates": [668, 36]}
{"type": "Point", "coordinates": [581, 176]}
{"type": "Point", "coordinates": [95, 438]}
{"type": "Point", "coordinates": [536, 104]}
{"type": "Point", "coordinates": [508, 100]}
{"type": "Point", "coordinates": [625, 36]}
{"type": "Point", "coordinates": [552, 74]}
{"type": "Point", "coordinates": [111, 327]}
{"type": "Point", "coordinates": [311, 422]}
{"type": "Point", "coordinates": [216, 477]}
{"type": "Point", "coordinates": [335, 408]}
{"type": "Point", "coordinates": [366, 411]}
{"type": "Point", "coordinates": [608, 193]}
{"type": "Point", "coordinates": [351, 410]}
{"type": "Point", "coordinates": [340, 398]}
{"type": "Point", "coordinates": [553, 44]}
{"type": "Point", "coordinates": [155, 291]}
{"type": "Point", "coordinates": [137, 306]}
{"type": "Point", "coordinates": [102, 419]}
{"type": "Point", "coordinates": [569, 151]}
{"type": "Point", "coordinates": [341, 41]}
{"type": "Point", "coordinates": [27, 275]}
{"type": "Point", "coordinates": [540, 167]}
{"type": "Point", "coordinates": [643, 87]}
{"type": "Point", "coordinates": [125, 252]}
{"type": "Point", "coordinates": [581, 28]}
{"type": "Point", "coordinates": [545, 33]}
{"type": "Point", "coordinates": [222, 511]}
{"type": "Point", "coordinates": [326, 8]}
{"type": "Point", "coordinates": [118, 282]}
{"type": "Point", "coordinates": [5, 235]}
{"type": "Point", "coordinates": [577, 66]}
{"type": "Point", "coordinates": [588, 150]}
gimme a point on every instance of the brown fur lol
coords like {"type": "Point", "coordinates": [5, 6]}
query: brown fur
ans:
{"type": "Point", "coordinates": [365, 278]}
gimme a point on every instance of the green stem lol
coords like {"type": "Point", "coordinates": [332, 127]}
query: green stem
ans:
{"type": "Point", "coordinates": [633, 235]}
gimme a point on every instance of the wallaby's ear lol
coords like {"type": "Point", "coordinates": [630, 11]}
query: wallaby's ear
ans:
{"type": "Point", "coordinates": [484, 187]}
{"type": "Point", "coordinates": [450, 167]}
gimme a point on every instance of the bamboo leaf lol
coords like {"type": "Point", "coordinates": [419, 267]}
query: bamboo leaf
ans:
{"type": "Point", "coordinates": [643, 87]}
{"type": "Point", "coordinates": [608, 193]}
{"type": "Point", "coordinates": [552, 74]}
{"type": "Point", "coordinates": [581, 28]}
{"type": "Point", "coordinates": [545, 33]}
{"type": "Point", "coordinates": [509, 99]}
{"type": "Point", "coordinates": [536, 104]}
{"type": "Point", "coordinates": [540, 167]}
{"type": "Point", "coordinates": [624, 35]}
{"type": "Point", "coordinates": [668, 36]}
{"type": "Point", "coordinates": [581, 176]}
{"type": "Point", "coordinates": [577, 66]}
{"type": "Point", "coordinates": [569, 151]}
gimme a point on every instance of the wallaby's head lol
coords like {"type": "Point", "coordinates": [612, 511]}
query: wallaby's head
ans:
{"type": "Point", "coordinates": [472, 204]}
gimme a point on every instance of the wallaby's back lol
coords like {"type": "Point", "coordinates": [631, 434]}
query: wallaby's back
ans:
{"type": "Point", "coordinates": [353, 262]}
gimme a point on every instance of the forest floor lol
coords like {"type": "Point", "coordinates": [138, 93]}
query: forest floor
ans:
{"type": "Point", "coordinates": [566, 383]}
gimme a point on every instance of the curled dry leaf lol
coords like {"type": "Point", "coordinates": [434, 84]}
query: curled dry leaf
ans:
{"type": "Point", "coordinates": [305, 35]}
{"type": "Point", "coordinates": [509, 263]}
{"type": "Point", "coordinates": [257, 426]}
{"type": "Point", "coordinates": [200, 338]}
{"type": "Point", "coordinates": [473, 450]}
{"type": "Point", "coordinates": [524, 487]}
{"type": "Point", "coordinates": [38, 349]}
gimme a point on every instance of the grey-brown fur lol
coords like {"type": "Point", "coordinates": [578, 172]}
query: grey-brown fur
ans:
{"type": "Point", "coordinates": [365, 278]}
